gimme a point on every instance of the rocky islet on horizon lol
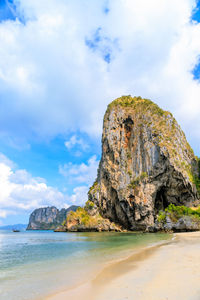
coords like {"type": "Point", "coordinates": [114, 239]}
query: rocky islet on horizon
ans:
{"type": "Point", "coordinates": [48, 218]}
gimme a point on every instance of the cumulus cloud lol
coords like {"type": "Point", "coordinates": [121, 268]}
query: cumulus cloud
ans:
{"type": "Point", "coordinates": [6, 161]}
{"type": "Point", "coordinates": [3, 214]}
{"type": "Point", "coordinates": [79, 195]}
{"type": "Point", "coordinates": [20, 192]}
{"type": "Point", "coordinates": [27, 193]}
{"type": "Point", "coordinates": [82, 173]}
{"type": "Point", "coordinates": [59, 72]}
{"type": "Point", "coordinates": [75, 141]}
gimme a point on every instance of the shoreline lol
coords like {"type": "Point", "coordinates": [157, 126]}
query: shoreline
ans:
{"type": "Point", "coordinates": [168, 270]}
{"type": "Point", "coordinates": [89, 286]}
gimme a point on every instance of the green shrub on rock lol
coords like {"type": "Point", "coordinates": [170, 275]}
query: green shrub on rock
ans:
{"type": "Point", "coordinates": [176, 212]}
{"type": "Point", "coordinates": [161, 217]}
{"type": "Point", "coordinates": [89, 205]}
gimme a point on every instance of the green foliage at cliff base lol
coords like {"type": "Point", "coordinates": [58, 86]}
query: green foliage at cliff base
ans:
{"type": "Point", "coordinates": [195, 178]}
{"type": "Point", "coordinates": [176, 212]}
{"type": "Point", "coordinates": [82, 217]}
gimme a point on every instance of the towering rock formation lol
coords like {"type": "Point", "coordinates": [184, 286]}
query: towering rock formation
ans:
{"type": "Point", "coordinates": [46, 218]}
{"type": "Point", "coordinates": [146, 164]}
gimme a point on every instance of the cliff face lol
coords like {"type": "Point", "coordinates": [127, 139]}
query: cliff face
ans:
{"type": "Point", "coordinates": [146, 164]}
{"type": "Point", "coordinates": [48, 217]}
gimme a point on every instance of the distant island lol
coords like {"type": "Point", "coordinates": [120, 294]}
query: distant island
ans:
{"type": "Point", "coordinates": [48, 218]}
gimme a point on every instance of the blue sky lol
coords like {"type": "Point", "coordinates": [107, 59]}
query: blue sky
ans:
{"type": "Point", "coordinates": [7, 10]}
{"type": "Point", "coordinates": [61, 63]}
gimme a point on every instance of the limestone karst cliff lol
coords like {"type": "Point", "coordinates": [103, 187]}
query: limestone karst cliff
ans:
{"type": "Point", "coordinates": [46, 218]}
{"type": "Point", "coordinates": [146, 164]}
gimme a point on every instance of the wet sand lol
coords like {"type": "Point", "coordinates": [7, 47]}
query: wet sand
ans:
{"type": "Point", "coordinates": [168, 271]}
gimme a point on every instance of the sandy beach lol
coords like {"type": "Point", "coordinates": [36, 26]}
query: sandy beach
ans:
{"type": "Point", "coordinates": [168, 271]}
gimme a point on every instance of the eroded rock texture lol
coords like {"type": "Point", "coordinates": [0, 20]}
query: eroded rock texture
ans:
{"type": "Point", "coordinates": [46, 218]}
{"type": "Point", "coordinates": [146, 164]}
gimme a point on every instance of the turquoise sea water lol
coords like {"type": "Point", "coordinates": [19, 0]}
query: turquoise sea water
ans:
{"type": "Point", "coordinates": [34, 264]}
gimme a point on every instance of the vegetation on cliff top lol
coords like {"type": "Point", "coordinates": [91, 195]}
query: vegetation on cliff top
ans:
{"type": "Point", "coordinates": [166, 131]}
{"type": "Point", "coordinates": [162, 123]}
{"type": "Point", "coordinates": [145, 104]}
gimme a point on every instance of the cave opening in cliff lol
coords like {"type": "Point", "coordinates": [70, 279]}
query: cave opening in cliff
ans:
{"type": "Point", "coordinates": [128, 123]}
{"type": "Point", "coordinates": [161, 201]}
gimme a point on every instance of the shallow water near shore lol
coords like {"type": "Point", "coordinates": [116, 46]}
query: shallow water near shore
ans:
{"type": "Point", "coordinates": [34, 264]}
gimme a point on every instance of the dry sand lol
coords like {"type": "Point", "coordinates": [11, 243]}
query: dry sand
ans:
{"type": "Point", "coordinates": [170, 271]}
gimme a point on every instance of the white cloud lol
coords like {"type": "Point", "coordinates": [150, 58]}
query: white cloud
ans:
{"type": "Point", "coordinates": [20, 192]}
{"type": "Point", "coordinates": [79, 195]}
{"type": "Point", "coordinates": [3, 214]}
{"type": "Point", "coordinates": [56, 82]}
{"type": "Point", "coordinates": [75, 141]}
{"type": "Point", "coordinates": [82, 173]}
{"type": "Point", "coordinates": [6, 161]}
{"type": "Point", "coordinates": [23, 177]}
